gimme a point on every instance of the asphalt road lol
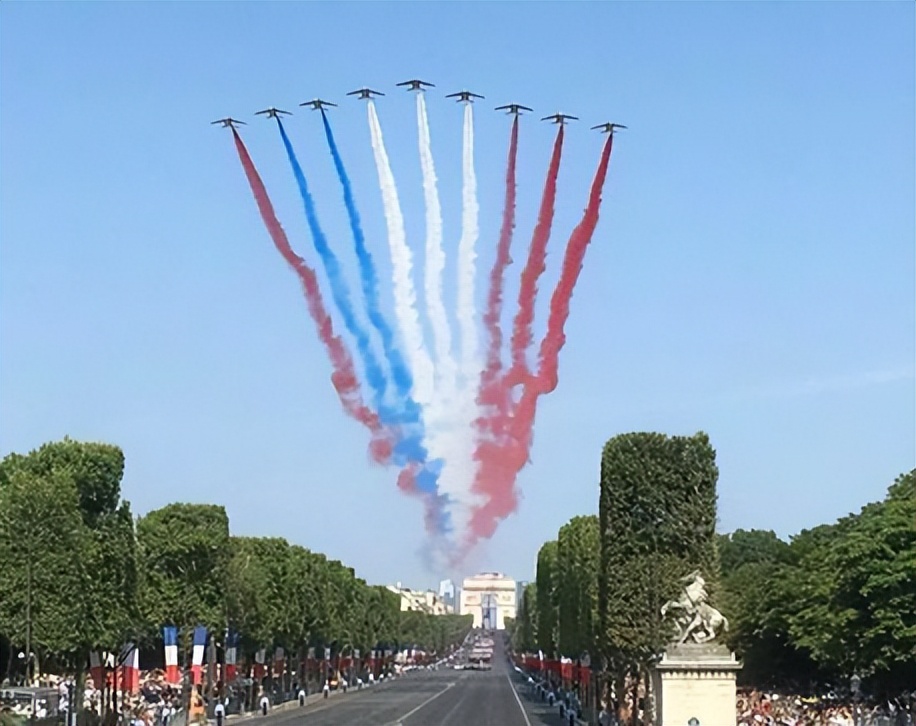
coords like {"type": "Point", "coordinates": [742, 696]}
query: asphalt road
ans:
{"type": "Point", "coordinates": [429, 698]}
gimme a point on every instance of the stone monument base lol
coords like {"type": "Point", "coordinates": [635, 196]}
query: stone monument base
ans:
{"type": "Point", "coordinates": [696, 682]}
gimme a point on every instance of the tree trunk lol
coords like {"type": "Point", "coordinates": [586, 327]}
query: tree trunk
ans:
{"type": "Point", "coordinates": [634, 715]}
{"type": "Point", "coordinates": [650, 697]}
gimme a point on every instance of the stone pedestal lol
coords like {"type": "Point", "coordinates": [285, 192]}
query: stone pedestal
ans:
{"type": "Point", "coordinates": [696, 681]}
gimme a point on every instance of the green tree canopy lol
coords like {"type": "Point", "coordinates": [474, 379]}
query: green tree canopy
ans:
{"type": "Point", "coordinates": [524, 632]}
{"type": "Point", "coordinates": [578, 555]}
{"type": "Point", "coordinates": [108, 599]}
{"type": "Point", "coordinates": [856, 604]}
{"type": "Point", "coordinates": [547, 619]}
{"type": "Point", "coordinates": [657, 513]}
{"type": "Point", "coordinates": [185, 554]}
{"type": "Point", "coordinates": [43, 548]}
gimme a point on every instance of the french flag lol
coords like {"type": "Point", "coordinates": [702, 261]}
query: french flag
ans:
{"type": "Point", "coordinates": [96, 669]}
{"type": "Point", "coordinates": [170, 639]}
{"type": "Point", "coordinates": [130, 669]}
{"type": "Point", "coordinates": [197, 654]}
{"type": "Point", "coordinates": [232, 650]}
{"type": "Point", "coordinates": [260, 658]}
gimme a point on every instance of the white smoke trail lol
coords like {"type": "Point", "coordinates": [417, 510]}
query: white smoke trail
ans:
{"type": "Point", "coordinates": [439, 417]}
{"type": "Point", "coordinates": [465, 411]}
{"type": "Point", "coordinates": [401, 259]}
{"type": "Point", "coordinates": [467, 257]}
{"type": "Point", "coordinates": [446, 369]}
{"type": "Point", "coordinates": [449, 419]}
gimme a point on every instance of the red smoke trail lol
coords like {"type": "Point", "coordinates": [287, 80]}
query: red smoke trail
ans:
{"type": "Point", "coordinates": [534, 267]}
{"type": "Point", "coordinates": [492, 394]}
{"type": "Point", "coordinates": [495, 296]}
{"type": "Point", "coordinates": [502, 459]}
{"type": "Point", "coordinates": [344, 374]}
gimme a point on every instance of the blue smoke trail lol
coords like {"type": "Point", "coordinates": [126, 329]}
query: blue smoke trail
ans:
{"type": "Point", "coordinates": [408, 412]}
{"type": "Point", "coordinates": [375, 375]}
{"type": "Point", "coordinates": [369, 278]}
{"type": "Point", "coordinates": [409, 446]}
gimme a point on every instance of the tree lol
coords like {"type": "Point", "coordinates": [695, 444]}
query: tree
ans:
{"type": "Point", "coordinates": [253, 590]}
{"type": "Point", "coordinates": [547, 616]}
{"type": "Point", "coordinates": [110, 595]}
{"type": "Point", "coordinates": [95, 468]}
{"type": "Point", "coordinates": [43, 548]}
{"type": "Point", "coordinates": [380, 617]}
{"type": "Point", "coordinates": [856, 609]}
{"type": "Point", "coordinates": [185, 554]}
{"type": "Point", "coordinates": [524, 632]}
{"type": "Point", "coordinates": [751, 547]}
{"type": "Point", "coordinates": [759, 577]}
{"type": "Point", "coordinates": [578, 554]}
{"type": "Point", "coordinates": [657, 515]}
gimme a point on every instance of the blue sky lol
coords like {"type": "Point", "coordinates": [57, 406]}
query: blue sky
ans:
{"type": "Point", "coordinates": [752, 274]}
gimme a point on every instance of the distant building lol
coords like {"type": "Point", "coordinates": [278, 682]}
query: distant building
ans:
{"type": "Point", "coordinates": [520, 592]}
{"type": "Point", "coordinates": [490, 597]}
{"type": "Point", "coordinates": [448, 593]}
{"type": "Point", "coordinates": [426, 601]}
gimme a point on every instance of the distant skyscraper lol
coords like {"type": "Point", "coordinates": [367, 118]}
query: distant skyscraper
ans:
{"type": "Point", "coordinates": [448, 594]}
{"type": "Point", "coordinates": [519, 591]}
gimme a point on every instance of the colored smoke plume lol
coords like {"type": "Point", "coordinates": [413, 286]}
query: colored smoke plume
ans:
{"type": "Point", "coordinates": [504, 455]}
{"type": "Point", "coordinates": [340, 291]}
{"type": "Point", "coordinates": [343, 376]}
{"type": "Point", "coordinates": [367, 272]}
{"type": "Point", "coordinates": [535, 266]}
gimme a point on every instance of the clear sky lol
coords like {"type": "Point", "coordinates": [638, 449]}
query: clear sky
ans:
{"type": "Point", "coordinates": [752, 274]}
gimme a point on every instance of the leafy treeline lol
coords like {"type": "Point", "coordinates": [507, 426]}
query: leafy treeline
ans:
{"type": "Point", "coordinates": [834, 600]}
{"type": "Point", "coordinates": [80, 574]}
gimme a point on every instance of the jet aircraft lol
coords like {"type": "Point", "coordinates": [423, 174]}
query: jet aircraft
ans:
{"type": "Point", "coordinates": [317, 104]}
{"type": "Point", "coordinates": [608, 128]}
{"type": "Point", "coordinates": [464, 96]}
{"type": "Point", "coordinates": [416, 85]}
{"type": "Point", "coordinates": [513, 108]}
{"type": "Point", "coordinates": [228, 122]}
{"type": "Point", "coordinates": [560, 118]}
{"type": "Point", "coordinates": [272, 112]}
{"type": "Point", "coordinates": [365, 93]}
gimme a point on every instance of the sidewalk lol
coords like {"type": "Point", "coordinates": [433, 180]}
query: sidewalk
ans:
{"type": "Point", "coordinates": [530, 695]}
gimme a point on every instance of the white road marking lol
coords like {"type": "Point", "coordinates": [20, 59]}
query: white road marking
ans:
{"type": "Point", "coordinates": [398, 721]}
{"type": "Point", "coordinates": [518, 701]}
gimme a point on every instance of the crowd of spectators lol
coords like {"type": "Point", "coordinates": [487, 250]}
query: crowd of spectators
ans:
{"type": "Point", "coordinates": [755, 708]}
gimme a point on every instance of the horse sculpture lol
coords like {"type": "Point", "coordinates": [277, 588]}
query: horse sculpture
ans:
{"type": "Point", "coordinates": [695, 618]}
